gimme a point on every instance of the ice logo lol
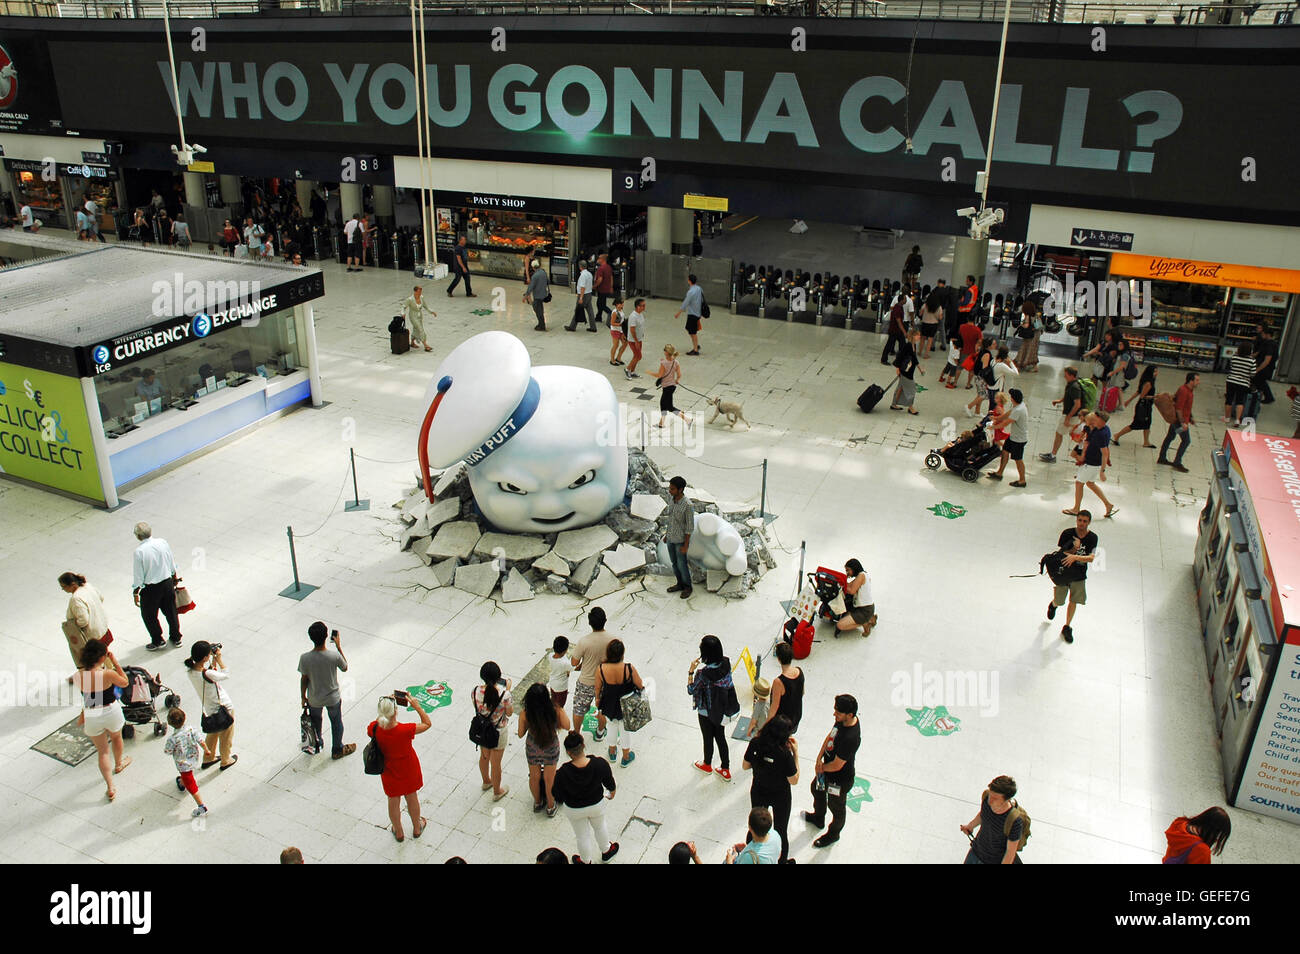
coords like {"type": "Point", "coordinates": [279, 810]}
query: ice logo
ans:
{"type": "Point", "coordinates": [100, 354]}
{"type": "Point", "coordinates": [202, 325]}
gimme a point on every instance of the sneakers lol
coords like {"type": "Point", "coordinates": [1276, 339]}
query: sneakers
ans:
{"type": "Point", "coordinates": [1067, 633]}
{"type": "Point", "coordinates": [1180, 468]}
{"type": "Point", "coordinates": [613, 850]}
{"type": "Point", "coordinates": [599, 734]}
{"type": "Point", "coordinates": [631, 757]}
{"type": "Point", "coordinates": [630, 374]}
{"type": "Point", "coordinates": [199, 812]}
{"type": "Point", "coordinates": [993, 475]}
{"type": "Point", "coordinates": [1047, 458]}
{"type": "Point", "coordinates": [686, 593]}
{"type": "Point", "coordinates": [553, 811]}
{"type": "Point", "coordinates": [724, 774]}
{"type": "Point", "coordinates": [345, 751]}
{"type": "Point", "coordinates": [154, 647]}
{"type": "Point", "coordinates": [825, 841]}
{"type": "Point", "coordinates": [570, 328]}
{"type": "Point", "coordinates": [1161, 460]}
{"type": "Point", "coordinates": [704, 767]}
{"type": "Point", "coordinates": [675, 588]}
{"type": "Point", "coordinates": [1051, 609]}
{"type": "Point", "coordinates": [1018, 483]}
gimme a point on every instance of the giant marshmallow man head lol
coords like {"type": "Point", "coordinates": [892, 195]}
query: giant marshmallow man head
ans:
{"type": "Point", "coordinates": [541, 445]}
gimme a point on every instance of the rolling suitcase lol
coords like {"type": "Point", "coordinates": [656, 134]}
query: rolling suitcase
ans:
{"type": "Point", "coordinates": [869, 398]}
{"type": "Point", "coordinates": [399, 335]}
{"type": "Point", "coordinates": [1110, 400]}
{"type": "Point", "coordinates": [1254, 402]}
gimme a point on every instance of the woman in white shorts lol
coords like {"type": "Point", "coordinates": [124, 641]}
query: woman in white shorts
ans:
{"type": "Point", "coordinates": [101, 715]}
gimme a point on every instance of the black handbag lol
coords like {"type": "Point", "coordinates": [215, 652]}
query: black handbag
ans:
{"type": "Point", "coordinates": [704, 308]}
{"type": "Point", "coordinates": [372, 757]}
{"type": "Point", "coordinates": [219, 721]}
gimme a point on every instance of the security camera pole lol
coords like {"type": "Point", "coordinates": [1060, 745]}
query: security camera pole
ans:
{"type": "Point", "coordinates": [185, 154]}
{"type": "Point", "coordinates": [979, 223]}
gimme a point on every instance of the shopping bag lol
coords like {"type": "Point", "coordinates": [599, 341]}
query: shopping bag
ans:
{"type": "Point", "coordinates": [184, 603]}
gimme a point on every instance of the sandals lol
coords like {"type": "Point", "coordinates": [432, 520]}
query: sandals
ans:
{"type": "Point", "coordinates": [424, 823]}
{"type": "Point", "coordinates": [912, 410]}
{"type": "Point", "coordinates": [1111, 512]}
{"type": "Point", "coordinates": [1070, 513]}
{"type": "Point", "coordinates": [233, 760]}
{"type": "Point", "coordinates": [117, 769]}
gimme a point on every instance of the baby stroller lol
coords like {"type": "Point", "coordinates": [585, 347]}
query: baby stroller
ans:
{"type": "Point", "coordinates": [138, 701]}
{"type": "Point", "coordinates": [829, 584]}
{"type": "Point", "coordinates": [966, 455]}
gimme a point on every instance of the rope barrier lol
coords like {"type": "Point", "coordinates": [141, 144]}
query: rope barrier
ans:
{"type": "Point", "coordinates": [374, 460]}
{"type": "Point", "coordinates": [342, 486]}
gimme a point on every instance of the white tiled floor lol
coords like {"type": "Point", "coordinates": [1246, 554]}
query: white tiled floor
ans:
{"type": "Point", "coordinates": [1109, 738]}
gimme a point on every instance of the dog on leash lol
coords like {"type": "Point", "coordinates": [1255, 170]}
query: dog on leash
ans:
{"type": "Point", "coordinates": [733, 411]}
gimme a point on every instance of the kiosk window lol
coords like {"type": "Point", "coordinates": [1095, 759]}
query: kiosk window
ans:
{"type": "Point", "coordinates": [150, 385]}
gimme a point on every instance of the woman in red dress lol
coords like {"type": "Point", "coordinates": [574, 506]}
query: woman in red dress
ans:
{"type": "Point", "coordinates": [401, 776]}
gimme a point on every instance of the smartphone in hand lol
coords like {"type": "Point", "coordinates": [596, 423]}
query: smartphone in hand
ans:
{"type": "Point", "coordinates": [401, 697]}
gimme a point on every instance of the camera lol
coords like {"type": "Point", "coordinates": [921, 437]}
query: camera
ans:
{"type": "Point", "coordinates": [216, 647]}
{"type": "Point", "coordinates": [967, 212]}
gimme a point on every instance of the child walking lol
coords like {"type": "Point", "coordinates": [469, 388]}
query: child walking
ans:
{"type": "Point", "coordinates": [762, 697]}
{"type": "Point", "coordinates": [953, 366]}
{"type": "Point", "coordinates": [186, 748]}
{"type": "Point", "coordinates": [616, 333]}
{"type": "Point", "coordinates": [667, 378]}
{"type": "Point", "coordinates": [561, 669]}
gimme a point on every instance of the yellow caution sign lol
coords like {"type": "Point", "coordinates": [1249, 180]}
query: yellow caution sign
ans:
{"type": "Point", "coordinates": [201, 167]}
{"type": "Point", "coordinates": [747, 658]}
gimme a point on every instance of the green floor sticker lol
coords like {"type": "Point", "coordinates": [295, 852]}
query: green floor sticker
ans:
{"type": "Point", "coordinates": [432, 695]}
{"type": "Point", "coordinates": [933, 720]}
{"type": "Point", "coordinates": [859, 793]}
{"type": "Point", "coordinates": [920, 388]}
{"type": "Point", "coordinates": [481, 311]}
{"type": "Point", "coordinates": [589, 723]}
{"type": "Point", "coordinates": [949, 510]}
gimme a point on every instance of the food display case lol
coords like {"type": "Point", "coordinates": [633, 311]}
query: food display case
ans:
{"type": "Point", "coordinates": [1186, 321]}
{"type": "Point", "coordinates": [1252, 310]}
{"type": "Point", "coordinates": [500, 230]}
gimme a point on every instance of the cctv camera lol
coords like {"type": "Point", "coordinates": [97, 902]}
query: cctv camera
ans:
{"type": "Point", "coordinates": [966, 212]}
{"type": "Point", "coordinates": [197, 149]}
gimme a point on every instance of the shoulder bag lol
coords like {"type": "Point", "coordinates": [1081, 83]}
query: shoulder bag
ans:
{"type": "Point", "coordinates": [636, 710]}
{"type": "Point", "coordinates": [220, 720]}
{"type": "Point", "coordinates": [372, 756]}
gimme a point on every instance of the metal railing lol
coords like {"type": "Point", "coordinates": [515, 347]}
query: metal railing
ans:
{"type": "Point", "coordinates": [1272, 12]}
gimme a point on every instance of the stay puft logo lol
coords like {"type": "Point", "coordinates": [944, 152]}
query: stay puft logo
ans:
{"type": "Point", "coordinates": [75, 907]}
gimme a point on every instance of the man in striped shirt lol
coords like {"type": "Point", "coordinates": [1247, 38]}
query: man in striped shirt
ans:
{"type": "Point", "coordinates": [1241, 373]}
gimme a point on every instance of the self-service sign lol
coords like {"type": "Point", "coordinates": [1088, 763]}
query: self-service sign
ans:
{"type": "Point", "coordinates": [1270, 783]}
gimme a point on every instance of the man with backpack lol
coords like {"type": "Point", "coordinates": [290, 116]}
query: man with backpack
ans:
{"type": "Point", "coordinates": [1079, 548]}
{"type": "Point", "coordinates": [1072, 406]}
{"type": "Point", "coordinates": [1003, 826]}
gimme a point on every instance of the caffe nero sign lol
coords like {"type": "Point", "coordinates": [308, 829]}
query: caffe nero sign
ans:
{"type": "Point", "coordinates": [1116, 125]}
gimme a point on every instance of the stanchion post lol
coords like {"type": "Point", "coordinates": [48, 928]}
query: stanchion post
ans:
{"type": "Point", "coordinates": [356, 503]}
{"type": "Point", "coordinates": [298, 590]}
{"type": "Point", "coordinates": [762, 500]}
{"type": "Point", "coordinates": [798, 583]}
{"type": "Point", "coordinates": [643, 432]}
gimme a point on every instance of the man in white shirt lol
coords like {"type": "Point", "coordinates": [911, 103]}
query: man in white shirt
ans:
{"type": "Point", "coordinates": [153, 580]}
{"type": "Point", "coordinates": [25, 213]}
{"type": "Point", "coordinates": [352, 234]}
{"type": "Point", "coordinates": [92, 211]}
{"type": "Point", "coordinates": [585, 283]}
{"type": "Point", "coordinates": [1015, 421]}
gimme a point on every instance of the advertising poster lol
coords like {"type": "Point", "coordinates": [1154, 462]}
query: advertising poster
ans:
{"type": "Point", "coordinates": [44, 432]}
{"type": "Point", "coordinates": [29, 100]}
{"type": "Point", "coordinates": [1121, 125]}
{"type": "Point", "coordinates": [1270, 784]}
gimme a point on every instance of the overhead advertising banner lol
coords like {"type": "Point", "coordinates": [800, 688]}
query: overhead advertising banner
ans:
{"type": "Point", "coordinates": [44, 431]}
{"type": "Point", "coordinates": [1120, 125]}
{"type": "Point", "coordinates": [29, 102]}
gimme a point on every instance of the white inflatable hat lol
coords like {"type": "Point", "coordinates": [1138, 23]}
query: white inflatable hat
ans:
{"type": "Point", "coordinates": [488, 396]}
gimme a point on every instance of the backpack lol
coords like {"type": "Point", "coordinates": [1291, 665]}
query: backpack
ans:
{"type": "Point", "coordinates": [1131, 369]}
{"type": "Point", "coordinates": [1165, 405]}
{"type": "Point", "coordinates": [483, 731]}
{"type": "Point", "coordinates": [1017, 813]}
{"type": "Point", "coordinates": [1110, 400]}
{"type": "Point", "coordinates": [1088, 388]}
{"type": "Point", "coordinates": [1054, 564]}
